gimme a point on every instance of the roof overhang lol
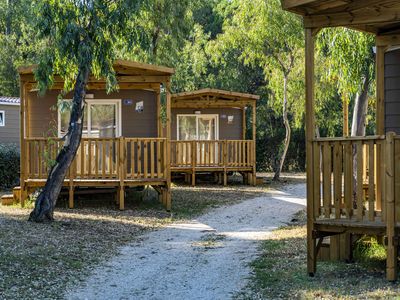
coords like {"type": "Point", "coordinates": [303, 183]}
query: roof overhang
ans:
{"type": "Point", "coordinates": [380, 17]}
{"type": "Point", "coordinates": [212, 98]}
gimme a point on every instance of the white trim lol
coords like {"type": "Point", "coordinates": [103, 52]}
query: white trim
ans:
{"type": "Point", "coordinates": [215, 116]}
{"type": "Point", "coordinates": [4, 118]}
{"type": "Point", "coordinates": [8, 103]}
{"type": "Point", "coordinates": [90, 102]}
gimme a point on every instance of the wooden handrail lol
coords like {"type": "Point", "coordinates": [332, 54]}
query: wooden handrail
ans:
{"type": "Point", "coordinates": [349, 139]}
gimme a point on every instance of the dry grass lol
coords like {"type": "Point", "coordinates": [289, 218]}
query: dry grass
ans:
{"type": "Point", "coordinates": [38, 261]}
{"type": "Point", "coordinates": [280, 273]}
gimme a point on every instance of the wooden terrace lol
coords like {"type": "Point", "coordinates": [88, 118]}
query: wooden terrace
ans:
{"type": "Point", "coordinates": [353, 183]}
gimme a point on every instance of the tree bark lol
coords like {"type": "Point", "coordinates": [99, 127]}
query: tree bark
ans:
{"type": "Point", "coordinates": [46, 201]}
{"type": "Point", "coordinates": [360, 110]}
{"type": "Point", "coordinates": [287, 128]}
{"type": "Point", "coordinates": [358, 127]}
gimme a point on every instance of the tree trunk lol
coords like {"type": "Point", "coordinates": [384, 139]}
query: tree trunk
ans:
{"type": "Point", "coordinates": [287, 128]}
{"type": "Point", "coordinates": [358, 128]}
{"type": "Point", "coordinates": [46, 201]}
{"type": "Point", "coordinates": [360, 110]}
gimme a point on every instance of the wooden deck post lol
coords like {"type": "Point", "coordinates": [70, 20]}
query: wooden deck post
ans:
{"type": "Point", "coordinates": [159, 121]}
{"type": "Point", "coordinates": [310, 134]}
{"type": "Point", "coordinates": [244, 123]}
{"type": "Point", "coordinates": [23, 158]}
{"type": "Point", "coordinates": [194, 159]}
{"type": "Point", "coordinates": [168, 158]}
{"type": "Point", "coordinates": [254, 120]}
{"type": "Point", "coordinates": [391, 260]}
{"type": "Point", "coordinates": [121, 173]}
{"type": "Point", "coordinates": [225, 162]}
{"type": "Point", "coordinates": [380, 119]}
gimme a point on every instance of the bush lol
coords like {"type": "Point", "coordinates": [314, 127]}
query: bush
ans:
{"type": "Point", "coordinates": [9, 166]}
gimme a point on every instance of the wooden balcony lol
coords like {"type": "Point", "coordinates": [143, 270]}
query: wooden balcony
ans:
{"type": "Point", "coordinates": [219, 156]}
{"type": "Point", "coordinates": [355, 191]}
{"type": "Point", "coordinates": [101, 162]}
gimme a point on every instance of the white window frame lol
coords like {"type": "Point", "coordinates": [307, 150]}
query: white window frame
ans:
{"type": "Point", "coordinates": [215, 116]}
{"type": "Point", "coordinates": [3, 112]}
{"type": "Point", "coordinates": [90, 102]}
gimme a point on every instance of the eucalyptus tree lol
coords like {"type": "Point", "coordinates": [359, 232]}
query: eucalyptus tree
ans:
{"type": "Point", "coordinates": [273, 39]}
{"type": "Point", "coordinates": [80, 36]}
{"type": "Point", "coordinates": [350, 62]}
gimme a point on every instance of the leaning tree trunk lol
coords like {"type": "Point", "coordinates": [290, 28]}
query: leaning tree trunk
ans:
{"type": "Point", "coordinates": [46, 201]}
{"type": "Point", "coordinates": [358, 128]}
{"type": "Point", "coordinates": [287, 128]}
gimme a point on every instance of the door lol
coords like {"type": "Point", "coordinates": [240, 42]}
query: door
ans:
{"type": "Point", "coordinates": [201, 128]}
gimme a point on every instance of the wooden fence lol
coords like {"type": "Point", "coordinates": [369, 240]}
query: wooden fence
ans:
{"type": "Point", "coordinates": [101, 158]}
{"type": "Point", "coordinates": [212, 154]}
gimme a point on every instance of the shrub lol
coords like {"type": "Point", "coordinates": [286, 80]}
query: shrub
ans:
{"type": "Point", "coordinates": [9, 166]}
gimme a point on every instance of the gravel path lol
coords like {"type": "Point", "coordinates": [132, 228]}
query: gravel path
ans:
{"type": "Point", "coordinates": [206, 258]}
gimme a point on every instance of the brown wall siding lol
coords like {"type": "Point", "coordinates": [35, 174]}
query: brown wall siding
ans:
{"type": "Point", "coordinates": [392, 91]}
{"type": "Point", "coordinates": [10, 132]}
{"type": "Point", "coordinates": [226, 131]}
{"type": "Point", "coordinates": [43, 116]}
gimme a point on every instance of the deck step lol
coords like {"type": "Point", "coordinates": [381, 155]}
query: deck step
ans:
{"type": "Point", "coordinates": [7, 199]}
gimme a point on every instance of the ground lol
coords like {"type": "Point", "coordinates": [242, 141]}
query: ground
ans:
{"type": "Point", "coordinates": [63, 259]}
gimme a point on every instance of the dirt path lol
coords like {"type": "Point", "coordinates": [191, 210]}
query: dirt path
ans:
{"type": "Point", "coordinates": [206, 258]}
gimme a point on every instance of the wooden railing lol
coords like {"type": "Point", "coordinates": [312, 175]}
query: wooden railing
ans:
{"type": "Point", "coordinates": [347, 178]}
{"type": "Point", "coordinates": [212, 154]}
{"type": "Point", "coordinates": [101, 158]}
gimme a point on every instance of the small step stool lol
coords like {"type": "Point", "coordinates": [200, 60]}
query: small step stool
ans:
{"type": "Point", "coordinates": [7, 199]}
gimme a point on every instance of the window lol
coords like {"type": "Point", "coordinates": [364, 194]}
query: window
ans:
{"type": "Point", "coordinates": [2, 118]}
{"type": "Point", "coordinates": [102, 118]}
{"type": "Point", "coordinates": [197, 127]}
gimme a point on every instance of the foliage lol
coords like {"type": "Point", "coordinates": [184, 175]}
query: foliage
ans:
{"type": "Point", "coordinates": [9, 165]}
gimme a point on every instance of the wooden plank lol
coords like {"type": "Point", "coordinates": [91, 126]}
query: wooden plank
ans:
{"type": "Point", "coordinates": [371, 181]}
{"type": "Point", "coordinates": [152, 157]}
{"type": "Point", "coordinates": [146, 158]}
{"type": "Point", "coordinates": [133, 159]}
{"type": "Point", "coordinates": [40, 161]}
{"type": "Point", "coordinates": [110, 157]}
{"type": "Point", "coordinates": [397, 177]}
{"type": "Point", "coordinates": [337, 177]}
{"type": "Point", "coordinates": [348, 179]}
{"type": "Point", "coordinates": [327, 179]}
{"type": "Point", "coordinates": [103, 159]}
{"type": "Point", "coordinates": [96, 158]}
{"type": "Point", "coordinates": [82, 158]}
{"type": "Point", "coordinates": [139, 158]}
{"type": "Point", "coordinates": [360, 183]}
{"type": "Point", "coordinates": [317, 178]}
{"type": "Point", "coordinates": [159, 173]}
{"type": "Point", "coordinates": [89, 157]}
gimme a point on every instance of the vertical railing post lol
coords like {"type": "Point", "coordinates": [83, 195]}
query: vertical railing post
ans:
{"type": "Point", "coordinates": [389, 206]}
{"type": "Point", "coordinates": [121, 172]}
{"type": "Point", "coordinates": [225, 161]}
{"type": "Point", "coordinates": [193, 161]}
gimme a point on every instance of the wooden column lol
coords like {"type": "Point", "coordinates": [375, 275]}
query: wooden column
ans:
{"type": "Point", "coordinates": [23, 158]}
{"type": "Point", "coordinates": [254, 129]}
{"type": "Point", "coordinates": [168, 158]}
{"type": "Point", "coordinates": [380, 120]}
{"type": "Point", "coordinates": [310, 134]}
{"type": "Point", "coordinates": [391, 260]}
{"type": "Point", "coordinates": [159, 121]}
{"type": "Point", "coordinates": [244, 123]}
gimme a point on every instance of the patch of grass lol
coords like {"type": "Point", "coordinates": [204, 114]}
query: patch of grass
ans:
{"type": "Point", "coordinates": [280, 272]}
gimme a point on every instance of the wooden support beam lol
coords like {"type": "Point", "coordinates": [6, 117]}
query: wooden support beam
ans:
{"type": "Point", "coordinates": [380, 119]}
{"type": "Point", "coordinates": [310, 135]}
{"type": "Point", "coordinates": [159, 121]}
{"type": "Point", "coordinates": [387, 40]}
{"type": "Point", "coordinates": [168, 158]}
{"type": "Point", "coordinates": [354, 18]}
{"type": "Point", "coordinates": [23, 156]}
{"type": "Point", "coordinates": [345, 117]}
{"type": "Point", "coordinates": [244, 123]}
{"type": "Point", "coordinates": [254, 129]}
{"type": "Point", "coordinates": [391, 260]}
